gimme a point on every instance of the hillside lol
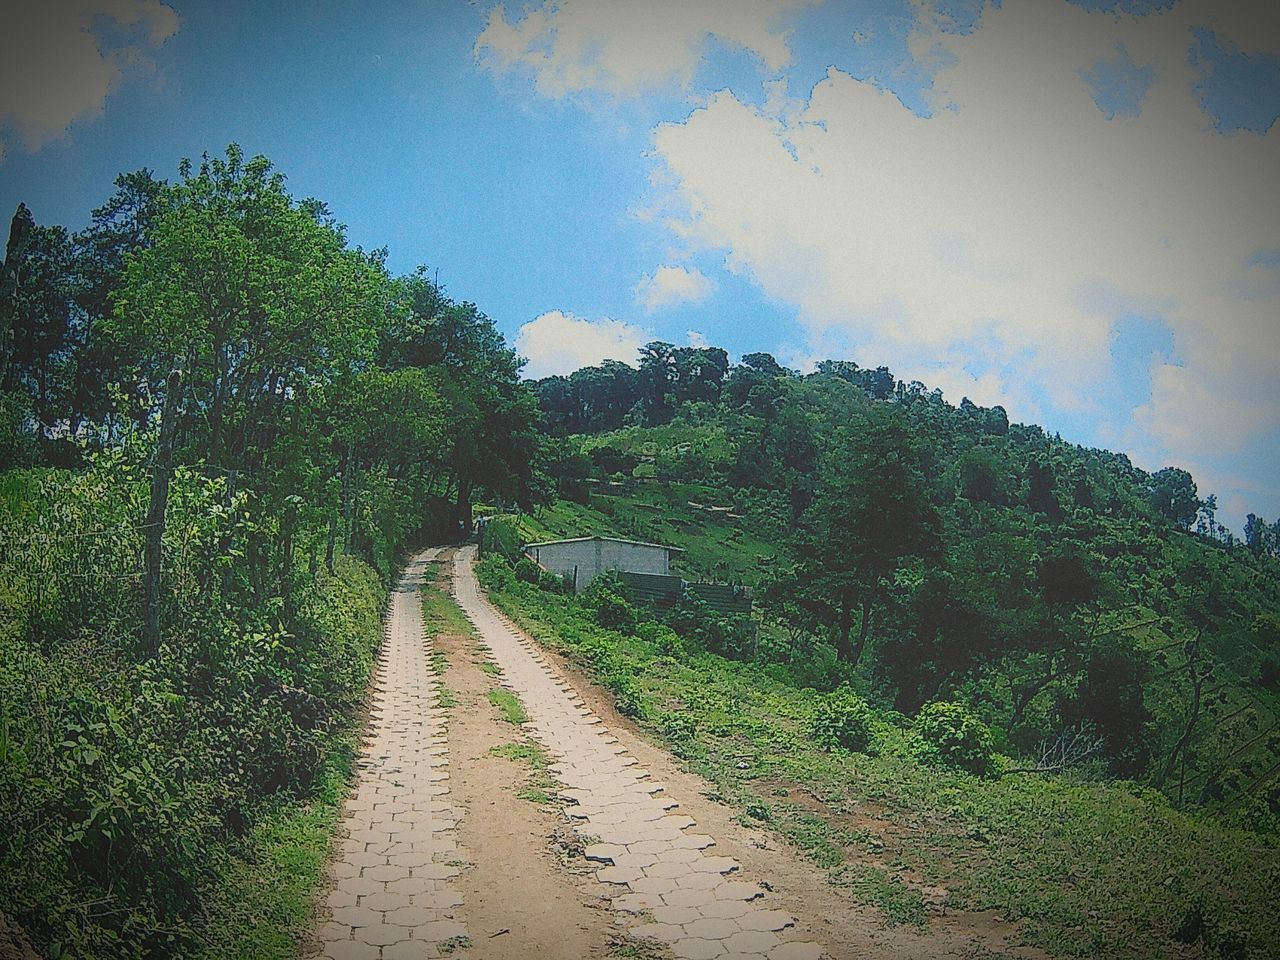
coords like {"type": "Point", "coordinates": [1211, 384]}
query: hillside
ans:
{"type": "Point", "coordinates": [1115, 649]}
{"type": "Point", "coordinates": [1050, 585]}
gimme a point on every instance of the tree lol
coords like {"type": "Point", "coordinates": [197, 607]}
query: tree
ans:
{"type": "Point", "coordinates": [871, 513]}
{"type": "Point", "coordinates": [38, 311]}
{"type": "Point", "coordinates": [656, 379]}
{"type": "Point", "coordinates": [764, 363]}
{"type": "Point", "coordinates": [1172, 495]}
{"type": "Point", "coordinates": [1041, 497]}
{"type": "Point", "coordinates": [983, 477]}
{"type": "Point", "coordinates": [261, 307]}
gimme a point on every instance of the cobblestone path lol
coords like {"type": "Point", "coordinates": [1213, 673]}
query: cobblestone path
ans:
{"type": "Point", "coordinates": [653, 856]}
{"type": "Point", "coordinates": [391, 897]}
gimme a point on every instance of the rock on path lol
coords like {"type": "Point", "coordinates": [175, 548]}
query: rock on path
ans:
{"type": "Point", "coordinates": [653, 856]}
{"type": "Point", "coordinates": [391, 897]}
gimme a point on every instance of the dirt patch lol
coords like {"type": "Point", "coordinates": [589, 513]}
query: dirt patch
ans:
{"type": "Point", "coordinates": [525, 893]}
{"type": "Point", "coordinates": [847, 928]}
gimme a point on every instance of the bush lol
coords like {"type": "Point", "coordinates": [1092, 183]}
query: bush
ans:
{"type": "Point", "coordinates": [502, 537]}
{"type": "Point", "coordinates": [627, 696]}
{"type": "Point", "coordinates": [732, 637]}
{"type": "Point", "coordinates": [527, 571]}
{"type": "Point", "coordinates": [841, 719]}
{"type": "Point", "coordinates": [951, 734]}
{"type": "Point", "coordinates": [130, 779]}
{"type": "Point", "coordinates": [607, 600]}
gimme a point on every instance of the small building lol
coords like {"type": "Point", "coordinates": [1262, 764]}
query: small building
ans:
{"type": "Point", "coordinates": [582, 559]}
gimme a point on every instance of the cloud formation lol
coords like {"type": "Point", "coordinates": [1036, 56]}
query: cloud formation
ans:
{"type": "Point", "coordinates": [60, 59]}
{"type": "Point", "coordinates": [626, 48]}
{"type": "Point", "coordinates": [668, 286]}
{"type": "Point", "coordinates": [996, 244]}
{"type": "Point", "coordinates": [559, 343]}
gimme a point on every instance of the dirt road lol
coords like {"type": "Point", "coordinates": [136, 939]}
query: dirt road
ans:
{"type": "Point", "coordinates": [451, 848]}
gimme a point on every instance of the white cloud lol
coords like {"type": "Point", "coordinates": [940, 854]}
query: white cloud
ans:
{"type": "Point", "coordinates": [963, 248]}
{"type": "Point", "coordinates": [669, 285]}
{"type": "Point", "coordinates": [56, 67]}
{"type": "Point", "coordinates": [626, 48]}
{"type": "Point", "coordinates": [559, 343]}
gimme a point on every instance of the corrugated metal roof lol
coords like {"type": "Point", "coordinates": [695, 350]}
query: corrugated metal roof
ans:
{"type": "Point", "coordinates": [634, 543]}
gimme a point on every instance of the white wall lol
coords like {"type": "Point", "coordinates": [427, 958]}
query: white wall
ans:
{"type": "Point", "coordinates": [593, 557]}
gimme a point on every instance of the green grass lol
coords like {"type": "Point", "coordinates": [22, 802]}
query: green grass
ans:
{"type": "Point", "coordinates": [899, 903]}
{"type": "Point", "coordinates": [490, 668]}
{"type": "Point", "coordinates": [540, 787]}
{"type": "Point", "coordinates": [440, 613]}
{"type": "Point", "coordinates": [1089, 868]}
{"type": "Point", "coordinates": [446, 699]}
{"type": "Point", "coordinates": [264, 906]}
{"type": "Point", "coordinates": [509, 706]}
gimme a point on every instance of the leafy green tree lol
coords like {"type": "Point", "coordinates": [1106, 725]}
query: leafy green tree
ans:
{"type": "Point", "coordinates": [1172, 495]}
{"type": "Point", "coordinates": [38, 317]}
{"type": "Point", "coordinates": [871, 513]}
{"type": "Point", "coordinates": [656, 379]}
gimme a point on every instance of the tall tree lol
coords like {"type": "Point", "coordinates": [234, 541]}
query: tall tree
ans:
{"type": "Point", "coordinates": [872, 512]}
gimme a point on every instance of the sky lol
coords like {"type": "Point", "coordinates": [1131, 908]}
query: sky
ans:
{"type": "Point", "coordinates": [1067, 207]}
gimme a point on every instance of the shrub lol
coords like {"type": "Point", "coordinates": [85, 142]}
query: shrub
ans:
{"type": "Point", "coordinates": [627, 696]}
{"type": "Point", "coordinates": [951, 734]}
{"type": "Point", "coordinates": [501, 536]}
{"type": "Point", "coordinates": [527, 571]}
{"type": "Point", "coordinates": [607, 600]}
{"type": "Point", "coordinates": [841, 719]}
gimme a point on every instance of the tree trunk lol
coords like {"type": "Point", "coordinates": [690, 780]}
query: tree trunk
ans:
{"type": "Point", "coordinates": [463, 510]}
{"type": "Point", "coordinates": [153, 548]}
{"type": "Point", "coordinates": [331, 542]}
{"type": "Point", "coordinates": [844, 626]}
{"type": "Point", "coordinates": [347, 506]}
{"type": "Point", "coordinates": [863, 629]}
{"type": "Point", "coordinates": [1028, 693]}
{"type": "Point", "coordinates": [1178, 756]}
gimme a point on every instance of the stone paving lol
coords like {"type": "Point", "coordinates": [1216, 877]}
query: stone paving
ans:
{"type": "Point", "coordinates": [391, 898]}
{"type": "Point", "coordinates": [652, 856]}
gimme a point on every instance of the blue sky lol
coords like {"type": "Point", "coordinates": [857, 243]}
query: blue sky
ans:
{"type": "Point", "coordinates": [1070, 208]}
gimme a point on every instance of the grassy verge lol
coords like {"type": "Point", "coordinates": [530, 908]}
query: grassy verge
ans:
{"type": "Point", "coordinates": [264, 908]}
{"type": "Point", "coordinates": [1089, 868]}
{"type": "Point", "coordinates": [440, 614]}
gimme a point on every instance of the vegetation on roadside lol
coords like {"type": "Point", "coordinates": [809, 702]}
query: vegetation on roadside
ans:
{"type": "Point", "coordinates": [1089, 868]}
{"type": "Point", "coordinates": [220, 426]}
{"type": "Point", "coordinates": [540, 785]}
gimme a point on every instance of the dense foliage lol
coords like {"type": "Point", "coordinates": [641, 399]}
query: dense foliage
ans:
{"type": "Point", "coordinates": [936, 553]}
{"type": "Point", "coordinates": [220, 426]}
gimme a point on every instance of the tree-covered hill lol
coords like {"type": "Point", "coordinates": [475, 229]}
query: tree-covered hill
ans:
{"type": "Point", "coordinates": [926, 551]}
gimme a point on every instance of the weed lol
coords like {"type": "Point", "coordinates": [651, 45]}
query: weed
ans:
{"type": "Point", "coordinates": [509, 706]}
{"type": "Point", "coordinates": [540, 787]}
{"type": "Point", "coordinates": [446, 947]}
{"type": "Point", "coordinates": [899, 903]}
